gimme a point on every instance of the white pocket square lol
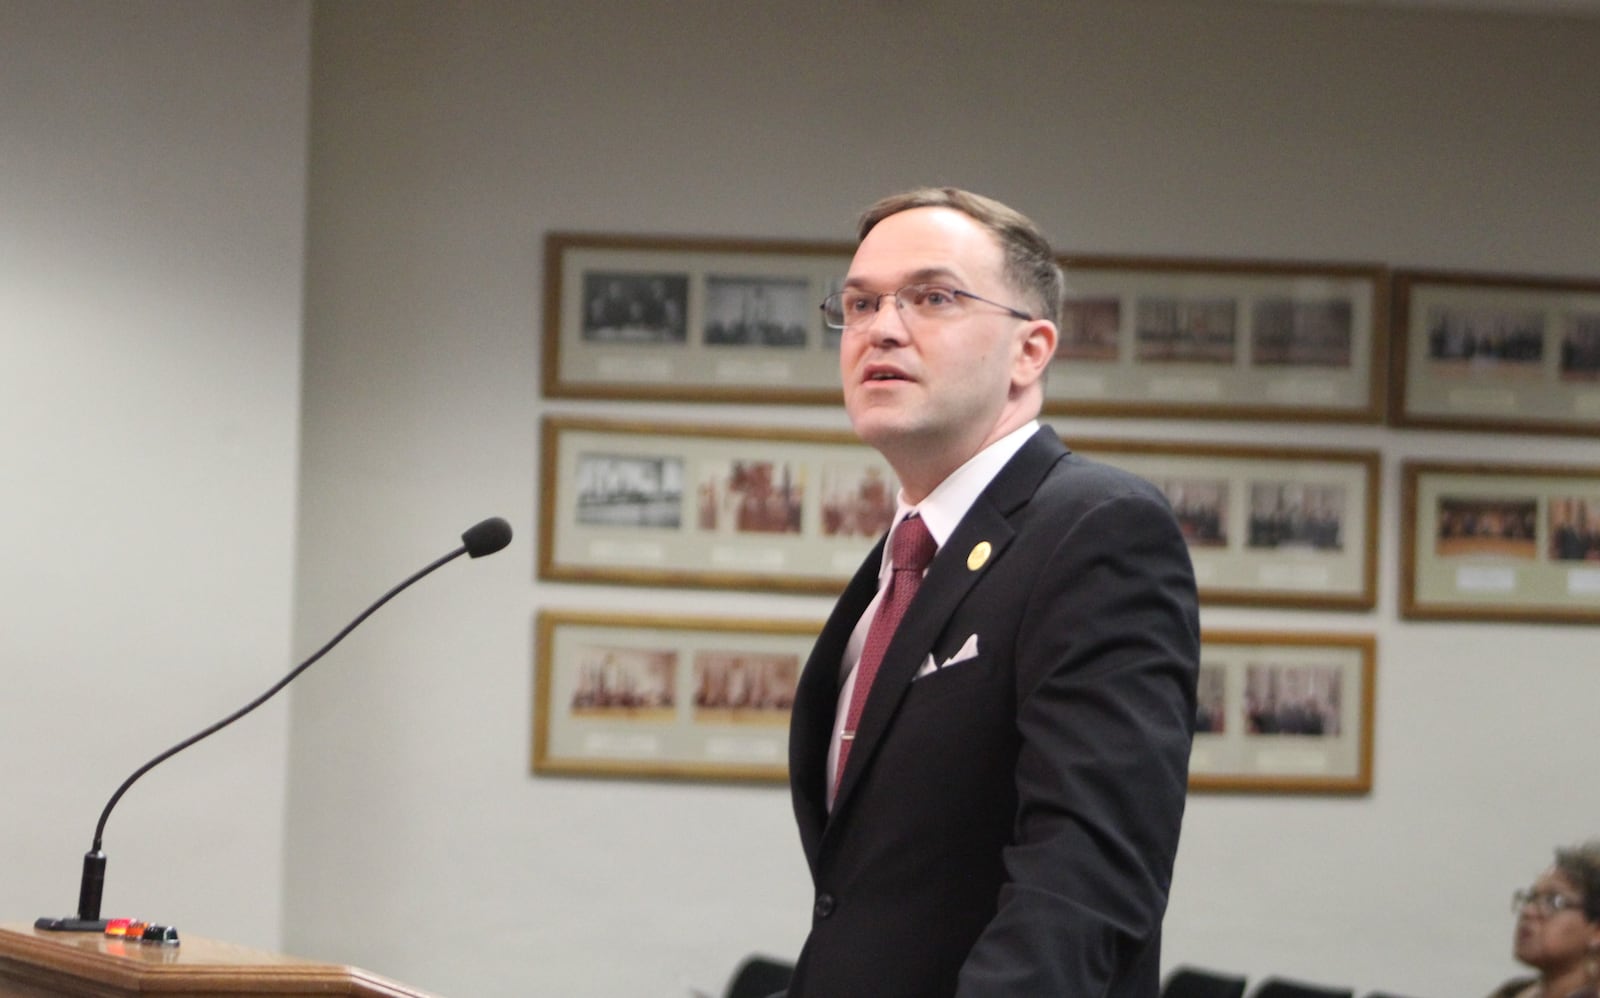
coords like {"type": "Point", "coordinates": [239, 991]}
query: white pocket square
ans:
{"type": "Point", "coordinates": [968, 650]}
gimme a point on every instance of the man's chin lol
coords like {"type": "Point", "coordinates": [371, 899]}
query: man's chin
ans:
{"type": "Point", "coordinates": [880, 427]}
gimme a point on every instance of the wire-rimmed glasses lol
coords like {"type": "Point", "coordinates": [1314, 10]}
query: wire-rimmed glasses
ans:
{"type": "Point", "coordinates": [932, 302]}
{"type": "Point", "coordinates": [1546, 903]}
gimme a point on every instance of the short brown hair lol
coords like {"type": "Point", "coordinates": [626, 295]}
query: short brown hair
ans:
{"type": "Point", "coordinates": [1030, 263]}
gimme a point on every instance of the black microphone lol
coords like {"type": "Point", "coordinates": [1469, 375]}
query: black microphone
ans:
{"type": "Point", "coordinates": [485, 538]}
{"type": "Point", "coordinates": [480, 539]}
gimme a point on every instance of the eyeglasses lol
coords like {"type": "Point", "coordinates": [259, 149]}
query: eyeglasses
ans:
{"type": "Point", "coordinates": [930, 302]}
{"type": "Point", "coordinates": [1546, 903]}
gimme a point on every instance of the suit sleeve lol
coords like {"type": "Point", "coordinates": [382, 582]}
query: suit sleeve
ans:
{"type": "Point", "coordinates": [1107, 656]}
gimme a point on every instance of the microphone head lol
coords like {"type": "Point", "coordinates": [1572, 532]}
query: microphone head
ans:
{"type": "Point", "coordinates": [487, 537]}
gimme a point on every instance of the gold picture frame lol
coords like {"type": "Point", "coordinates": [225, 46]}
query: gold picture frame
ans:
{"type": "Point", "coordinates": [1496, 352]}
{"type": "Point", "coordinates": [1221, 339]}
{"type": "Point", "coordinates": [1500, 542]}
{"type": "Point", "coordinates": [696, 319]}
{"type": "Point", "coordinates": [1285, 713]}
{"type": "Point", "coordinates": [654, 696]}
{"type": "Point", "coordinates": [788, 510]}
{"type": "Point", "coordinates": [708, 698]}
{"type": "Point", "coordinates": [1293, 527]}
{"type": "Point", "coordinates": [690, 319]}
{"type": "Point", "coordinates": [708, 506]}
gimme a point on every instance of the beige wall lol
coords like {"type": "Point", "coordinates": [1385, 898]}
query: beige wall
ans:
{"type": "Point", "coordinates": [445, 141]}
{"type": "Point", "coordinates": [152, 191]}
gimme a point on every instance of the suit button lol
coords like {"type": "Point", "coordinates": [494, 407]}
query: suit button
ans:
{"type": "Point", "coordinates": [825, 905]}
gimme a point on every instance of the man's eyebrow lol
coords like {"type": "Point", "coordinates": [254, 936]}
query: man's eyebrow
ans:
{"type": "Point", "coordinates": [926, 275]}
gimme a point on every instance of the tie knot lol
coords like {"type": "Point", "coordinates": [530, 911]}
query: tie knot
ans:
{"type": "Point", "coordinates": [913, 546]}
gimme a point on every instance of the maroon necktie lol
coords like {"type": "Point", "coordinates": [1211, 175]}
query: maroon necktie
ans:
{"type": "Point", "coordinates": [910, 551]}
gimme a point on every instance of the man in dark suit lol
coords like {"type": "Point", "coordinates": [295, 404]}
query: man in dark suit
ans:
{"type": "Point", "coordinates": [1006, 813]}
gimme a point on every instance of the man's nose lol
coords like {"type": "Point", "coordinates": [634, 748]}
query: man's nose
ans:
{"type": "Point", "coordinates": [888, 321]}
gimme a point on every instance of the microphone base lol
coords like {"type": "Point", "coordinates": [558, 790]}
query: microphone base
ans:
{"type": "Point", "coordinates": [125, 929]}
{"type": "Point", "coordinates": [71, 924]}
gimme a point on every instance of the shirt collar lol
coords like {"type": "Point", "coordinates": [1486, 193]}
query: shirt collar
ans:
{"type": "Point", "coordinates": [949, 501]}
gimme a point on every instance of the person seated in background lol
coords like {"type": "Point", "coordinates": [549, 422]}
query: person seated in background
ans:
{"type": "Point", "coordinates": [1558, 928]}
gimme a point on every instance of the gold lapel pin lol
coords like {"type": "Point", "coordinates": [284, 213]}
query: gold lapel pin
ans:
{"type": "Point", "coordinates": [979, 555]}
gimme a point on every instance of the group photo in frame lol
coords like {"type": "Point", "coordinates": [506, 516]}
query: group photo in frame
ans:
{"type": "Point", "coordinates": [709, 698]}
{"type": "Point", "coordinates": [739, 320]}
{"type": "Point", "coordinates": [1284, 713]}
{"type": "Point", "coordinates": [692, 320]}
{"type": "Point", "coordinates": [653, 696]}
{"type": "Point", "coordinates": [1221, 339]}
{"type": "Point", "coordinates": [1280, 526]}
{"type": "Point", "coordinates": [709, 506]}
{"type": "Point", "coordinates": [1500, 542]}
{"type": "Point", "coordinates": [1491, 352]}
{"type": "Point", "coordinates": [797, 510]}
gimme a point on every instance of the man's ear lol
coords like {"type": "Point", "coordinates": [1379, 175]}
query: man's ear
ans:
{"type": "Point", "coordinates": [1036, 349]}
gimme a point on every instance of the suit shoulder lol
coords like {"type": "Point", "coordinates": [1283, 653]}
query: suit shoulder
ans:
{"type": "Point", "coordinates": [1047, 475]}
{"type": "Point", "coordinates": [1088, 480]}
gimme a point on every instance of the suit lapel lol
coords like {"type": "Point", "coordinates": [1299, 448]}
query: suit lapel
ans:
{"type": "Point", "coordinates": [950, 577]}
{"type": "Point", "coordinates": [816, 702]}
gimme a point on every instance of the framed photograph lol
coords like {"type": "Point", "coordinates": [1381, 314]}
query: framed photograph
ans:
{"type": "Point", "coordinates": [693, 320]}
{"type": "Point", "coordinates": [652, 504]}
{"type": "Point", "coordinates": [1221, 339]}
{"type": "Point", "coordinates": [1284, 713]}
{"type": "Point", "coordinates": [1500, 542]}
{"type": "Point", "coordinates": [721, 320]}
{"type": "Point", "coordinates": [1490, 352]}
{"type": "Point", "coordinates": [709, 699]}
{"type": "Point", "coordinates": [797, 510]}
{"type": "Point", "coordinates": [1277, 526]}
{"type": "Point", "coordinates": [703, 698]}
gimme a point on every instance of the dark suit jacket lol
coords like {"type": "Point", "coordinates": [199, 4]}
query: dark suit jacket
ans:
{"type": "Point", "coordinates": [1007, 826]}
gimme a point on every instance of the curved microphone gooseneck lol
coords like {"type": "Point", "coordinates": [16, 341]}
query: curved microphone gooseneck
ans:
{"type": "Point", "coordinates": [480, 539]}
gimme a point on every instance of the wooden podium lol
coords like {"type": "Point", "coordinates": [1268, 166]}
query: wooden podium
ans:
{"type": "Point", "coordinates": [38, 964]}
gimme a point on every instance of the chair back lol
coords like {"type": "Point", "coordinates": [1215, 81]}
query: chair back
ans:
{"type": "Point", "coordinates": [759, 977]}
{"type": "Point", "coordinates": [1283, 987]}
{"type": "Point", "coordinates": [1197, 982]}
